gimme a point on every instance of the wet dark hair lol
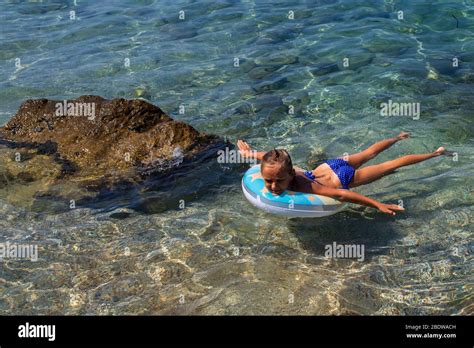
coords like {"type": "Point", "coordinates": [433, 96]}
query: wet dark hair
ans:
{"type": "Point", "coordinates": [277, 156]}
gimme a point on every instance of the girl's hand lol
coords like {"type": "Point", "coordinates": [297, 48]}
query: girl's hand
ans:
{"type": "Point", "coordinates": [389, 208]}
{"type": "Point", "coordinates": [244, 148]}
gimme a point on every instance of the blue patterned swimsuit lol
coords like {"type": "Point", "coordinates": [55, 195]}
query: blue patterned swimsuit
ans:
{"type": "Point", "coordinates": [344, 171]}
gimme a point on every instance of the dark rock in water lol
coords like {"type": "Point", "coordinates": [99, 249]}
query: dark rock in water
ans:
{"type": "Point", "coordinates": [246, 65]}
{"type": "Point", "coordinates": [264, 40]}
{"type": "Point", "coordinates": [178, 32]}
{"type": "Point", "coordinates": [25, 177]}
{"type": "Point", "coordinates": [241, 107]}
{"type": "Point", "coordinates": [433, 87]}
{"type": "Point", "coordinates": [465, 75]}
{"type": "Point", "coordinates": [260, 72]}
{"type": "Point", "coordinates": [358, 59]}
{"type": "Point", "coordinates": [379, 98]}
{"type": "Point", "coordinates": [265, 101]}
{"type": "Point", "coordinates": [300, 98]}
{"type": "Point", "coordinates": [94, 148]}
{"type": "Point", "coordinates": [443, 66]}
{"type": "Point", "coordinates": [120, 215]}
{"type": "Point", "coordinates": [6, 178]}
{"type": "Point", "coordinates": [271, 85]}
{"type": "Point", "coordinates": [278, 58]}
{"type": "Point", "coordinates": [360, 13]}
{"type": "Point", "coordinates": [323, 69]}
{"type": "Point", "coordinates": [97, 136]}
{"type": "Point", "coordinates": [466, 57]}
{"type": "Point", "coordinates": [41, 9]}
{"type": "Point", "coordinates": [339, 78]}
{"type": "Point", "coordinates": [297, 100]}
{"type": "Point", "coordinates": [277, 35]}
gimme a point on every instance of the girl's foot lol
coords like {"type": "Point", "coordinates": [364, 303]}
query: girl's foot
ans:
{"type": "Point", "coordinates": [403, 135]}
{"type": "Point", "coordinates": [443, 151]}
{"type": "Point", "coordinates": [440, 151]}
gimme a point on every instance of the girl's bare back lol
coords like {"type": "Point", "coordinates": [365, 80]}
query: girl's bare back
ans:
{"type": "Point", "coordinates": [324, 175]}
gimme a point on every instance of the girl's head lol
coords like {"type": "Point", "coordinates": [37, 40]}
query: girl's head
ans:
{"type": "Point", "coordinates": [277, 170]}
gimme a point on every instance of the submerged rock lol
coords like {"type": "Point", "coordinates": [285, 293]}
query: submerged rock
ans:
{"type": "Point", "coordinates": [98, 135]}
{"type": "Point", "coordinates": [324, 69]}
{"type": "Point", "coordinates": [271, 85]}
{"type": "Point", "coordinates": [94, 141]}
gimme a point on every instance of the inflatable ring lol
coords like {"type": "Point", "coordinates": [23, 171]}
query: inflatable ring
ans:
{"type": "Point", "coordinates": [288, 203]}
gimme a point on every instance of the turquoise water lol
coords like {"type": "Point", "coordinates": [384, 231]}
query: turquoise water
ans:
{"type": "Point", "coordinates": [219, 255]}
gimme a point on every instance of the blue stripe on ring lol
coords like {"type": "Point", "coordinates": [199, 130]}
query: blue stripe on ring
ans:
{"type": "Point", "coordinates": [304, 207]}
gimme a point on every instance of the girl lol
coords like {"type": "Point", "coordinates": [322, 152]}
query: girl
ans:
{"type": "Point", "coordinates": [334, 177]}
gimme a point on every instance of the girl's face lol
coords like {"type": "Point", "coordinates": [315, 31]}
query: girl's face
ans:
{"type": "Point", "coordinates": [277, 179]}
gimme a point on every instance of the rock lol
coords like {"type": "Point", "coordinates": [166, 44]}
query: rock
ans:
{"type": "Point", "coordinates": [275, 36]}
{"type": "Point", "coordinates": [142, 92]}
{"type": "Point", "coordinates": [414, 69]}
{"type": "Point", "coordinates": [394, 45]}
{"type": "Point", "coordinates": [5, 178]}
{"type": "Point", "coordinates": [466, 57]}
{"type": "Point", "coordinates": [298, 100]}
{"type": "Point", "coordinates": [270, 85]}
{"type": "Point", "coordinates": [154, 255]}
{"type": "Point", "coordinates": [432, 87]}
{"type": "Point", "coordinates": [324, 68]}
{"type": "Point", "coordinates": [180, 32]}
{"type": "Point", "coordinates": [261, 72]}
{"type": "Point", "coordinates": [25, 177]}
{"type": "Point", "coordinates": [101, 147]}
{"type": "Point", "coordinates": [360, 13]}
{"type": "Point", "coordinates": [465, 75]}
{"type": "Point", "coordinates": [264, 101]}
{"type": "Point", "coordinates": [241, 107]}
{"type": "Point", "coordinates": [104, 136]}
{"type": "Point", "coordinates": [443, 66]}
{"type": "Point", "coordinates": [277, 58]}
{"type": "Point", "coordinates": [339, 78]}
{"type": "Point", "coordinates": [246, 65]}
{"type": "Point", "coordinates": [357, 59]}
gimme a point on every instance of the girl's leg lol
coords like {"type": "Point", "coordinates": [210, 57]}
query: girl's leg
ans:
{"type": "Point", "coordinates": [358, 159]}
{"type": "Point", "coordinates": [371, 173]}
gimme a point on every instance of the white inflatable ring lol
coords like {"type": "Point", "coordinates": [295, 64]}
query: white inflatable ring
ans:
{"type": "Point", "coordinates": [289, 203]}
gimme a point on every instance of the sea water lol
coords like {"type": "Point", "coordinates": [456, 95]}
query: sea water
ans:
{"type": "Point", "coordinates": [309, 76]}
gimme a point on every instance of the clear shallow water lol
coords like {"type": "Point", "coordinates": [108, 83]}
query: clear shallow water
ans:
{"type": "Point", "coordinates": [123, 261]}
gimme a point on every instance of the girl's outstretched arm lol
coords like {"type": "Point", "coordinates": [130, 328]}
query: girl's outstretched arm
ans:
{"type": "Point", "coordinates": [353, 197]}
{"type": "Point", "coordinates": [246, 150]}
